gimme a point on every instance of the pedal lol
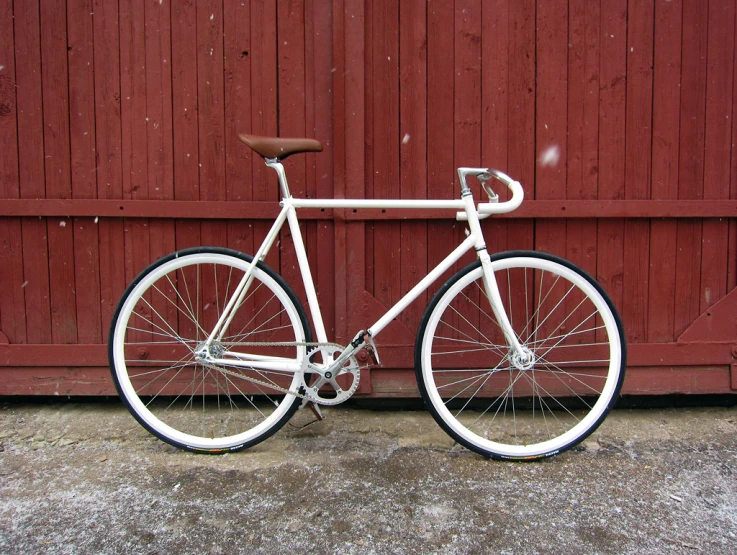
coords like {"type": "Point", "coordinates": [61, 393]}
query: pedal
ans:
{"type": "Point", "coordinates": [372, 352]}
{"type": "Point", "coordinates": [316, 410]}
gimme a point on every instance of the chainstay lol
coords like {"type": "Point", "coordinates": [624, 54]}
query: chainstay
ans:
{"type": "Point", "coordinates": [254, 380]}
{"type": "Point", "coordinates": [281, 344]}
{"type": "Point", "coordinates": [269, 385]}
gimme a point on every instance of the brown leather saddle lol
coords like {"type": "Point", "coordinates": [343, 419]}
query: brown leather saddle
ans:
{"type": "Point", "coordinates": [275, 147]}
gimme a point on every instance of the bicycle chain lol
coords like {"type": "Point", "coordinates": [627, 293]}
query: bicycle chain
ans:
{"type": "Point", "coordinates": [280, 344]}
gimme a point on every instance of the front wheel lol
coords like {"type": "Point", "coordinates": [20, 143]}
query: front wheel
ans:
{"type": "Point", "coordinates": [506, 406]}
{"type": "Point", "coordinates": [164, 318]}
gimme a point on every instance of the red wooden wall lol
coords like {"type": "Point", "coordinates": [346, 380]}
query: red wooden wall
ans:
{"type": "Point", "coordinates": [118, 144]}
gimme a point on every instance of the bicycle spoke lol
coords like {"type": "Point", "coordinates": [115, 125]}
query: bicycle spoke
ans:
{"type": "Point", "coordinates": [523, 404]}
{"type": "Point", "coordinates": [203, 406]}
{"type": "Point", "coordinates": [472, 340]}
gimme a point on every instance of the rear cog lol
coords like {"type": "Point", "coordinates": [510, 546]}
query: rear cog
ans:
{"type": "Point", "coordinates": [329, 387]}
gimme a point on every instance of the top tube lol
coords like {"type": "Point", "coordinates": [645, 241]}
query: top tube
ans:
{"type": "Point", "coordinates": [484, 209]}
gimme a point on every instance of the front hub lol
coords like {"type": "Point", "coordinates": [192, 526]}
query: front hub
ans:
{"type": "Point", "coordinates": [523, 360]}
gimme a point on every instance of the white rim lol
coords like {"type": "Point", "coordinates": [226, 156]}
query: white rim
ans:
{"type": "Point", "coordinates": [579, 429]}
{"type": "Point", "coordinates": [121, 370]}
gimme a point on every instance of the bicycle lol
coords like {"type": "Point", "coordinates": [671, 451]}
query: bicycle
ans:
{"type": "Point", "coordinates": [520, 355]}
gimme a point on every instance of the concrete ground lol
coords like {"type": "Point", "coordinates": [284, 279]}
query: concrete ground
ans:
{"type": "Point", "coordinates": [82, 477]}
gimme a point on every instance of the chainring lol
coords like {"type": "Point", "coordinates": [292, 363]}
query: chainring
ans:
{"type": "Point", "coordinates": [321, 376]}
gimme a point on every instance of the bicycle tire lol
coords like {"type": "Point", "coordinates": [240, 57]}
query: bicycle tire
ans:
{"type": "Point", "coordinates": [509, 411]}
{"type": "Point", "coordinates": [157, 325]}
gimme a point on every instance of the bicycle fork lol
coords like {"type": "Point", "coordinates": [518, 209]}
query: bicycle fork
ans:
{"type": "Point", "coordinates": [519, 354]}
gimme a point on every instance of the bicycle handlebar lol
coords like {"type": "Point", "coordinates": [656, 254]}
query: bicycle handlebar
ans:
{"type": "Point", "coordinates": [486, 209]}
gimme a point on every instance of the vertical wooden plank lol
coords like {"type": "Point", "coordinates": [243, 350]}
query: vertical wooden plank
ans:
{"type": "Point", "coordinates": [551, 109]}
{"type": "Point", "coordinates": [291, 93]}
{"type": "Point", "coordinates": [413, 148]}
{"type": "Point", "coordinates": [263, 90]}
{"type": "Point", "coordinates": [583, 127]}
{"type": "Point", "coordinates": [466, 122]}
{"type": "Point", "coordinates": [353, 126]}
{"type": "Point", "coordinates": [81, 99]}
{"type": "Point", "coordinates": [158, 101]}
{"type": "Point", "coordinates": [732, 248]}
{"type": "Point", "coordinates": [159, 122]}
{"type": "Point", "coordinates": [467, 85]}
{"type": "Point", "coordinates": [369, 148]}
{"type": "Point", "coordinates": [83, 167]}
{"type": "Point", "coordinates": [612, 75]}
{"type": "Point", "coordinates": [107, 99]}
{"type": "Point", "coordinates": [264, 106]}
{"type": "Point", "coordinates": [8, 117]}
{"type": "Point", "coordinates": [638, 164]}
{"type": "Point", "coordinates": [551, 45]}
{"type": "Point", "coordinates": [584, 35]}
{"type": "Point", "coordinates": [357, 178]}
{"type": "Point", "coordinates": [237, 65]}
{"type": "Point", "coordinates": [441, 174]}
{"type": "Point", "coordinates": [385, 132]}
{"type": "Point", "coordinates": [211, 111]}
{"type": "Point", "coordinates": [291, 97]}
{"type": "Point", "coordinates": [323, 130]}
{"type": "Point", "coordinates": [58, 172]}
{"type": "Point", "coordinates": [521, 149]}
{"type": "Point", "coordinates": [316, 21]}
{"type": "Point", "coordinates": [495, 75]}
{"type": "Point", "coordinates": [135, 125]}
{"type": "Point", "coordinates": [134, 32]}
{"type": "Point", "coordinates": [31, 165]}
{"type": "Point", "coordinates": [666, 111]}
{"type": "Point", "coordinates": [184, 117]}
{"type": "Point", "coordinates": [691, 160]}
{"type": "Point", "coordinates": [55, 93]}
{"type": "Point", "coordinates": [467, 107]}
{"type": "Point", "coordinates": [339, 163]}
{"type": "Point", "coordinates": [12, 302]}
{"type": "Point", "coordinates": [717, 147]}
{"type": "Point", "coordinates": [108, 150]}
{"type": "Point", "coordinates": [583, 135]}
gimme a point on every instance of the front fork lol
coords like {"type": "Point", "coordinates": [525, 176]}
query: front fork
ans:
{"type": "Point", "coordinates": [518, 352]}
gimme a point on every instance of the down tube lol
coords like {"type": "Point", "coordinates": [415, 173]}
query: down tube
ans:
{"type": "Point", "coordinates": [428, 280]}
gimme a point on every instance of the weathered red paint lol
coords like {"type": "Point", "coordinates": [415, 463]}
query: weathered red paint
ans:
{"type": "Point", "coordinates": [125, 147]}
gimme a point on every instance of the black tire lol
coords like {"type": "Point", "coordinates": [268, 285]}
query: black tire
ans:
{"type": "Point", "coordinates": [458, 332]}
{"type": "Point", "coordinates": [159, 312]}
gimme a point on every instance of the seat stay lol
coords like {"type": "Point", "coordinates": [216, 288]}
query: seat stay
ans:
{"type": "Point", "coordinates": [238, 296]}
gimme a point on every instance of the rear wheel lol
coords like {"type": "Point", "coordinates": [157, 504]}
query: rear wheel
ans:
{"type": "Point", "coordinates": [507, 406]}
{"type": "Point", "coordinates": [168, 312]}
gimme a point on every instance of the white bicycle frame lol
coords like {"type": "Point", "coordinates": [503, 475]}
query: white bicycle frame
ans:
{"type": "Point", "coordinates": [466, 211]}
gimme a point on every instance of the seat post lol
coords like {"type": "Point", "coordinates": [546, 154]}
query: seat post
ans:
{"type": "Point", "coordinates": [274, 164]}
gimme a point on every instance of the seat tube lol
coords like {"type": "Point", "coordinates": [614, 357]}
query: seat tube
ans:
{"type": "Point", "coordinates": [304, 268]}
{"type": "Point", "coordinates": [490, 283]}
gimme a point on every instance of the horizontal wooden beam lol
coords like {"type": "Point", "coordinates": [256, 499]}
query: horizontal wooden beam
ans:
{"type": "Point", "coordinates": [380, 383]}
{"type": "Point", "coordinates": [639, 380]}
{"type": "Point", "coordinates": [578, 209]}
{"type": "Point", "coordinates": [392, 356]}
{"type": "Point", "coordinates": [263, 210]}
{"type": "Point", "coordinates": [169, 209]}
